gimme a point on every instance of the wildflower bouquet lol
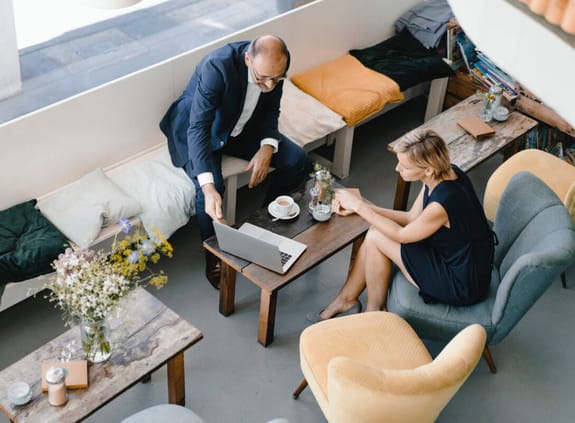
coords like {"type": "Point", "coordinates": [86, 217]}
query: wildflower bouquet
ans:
{"type": "Point", "coordinates": [88, 284]}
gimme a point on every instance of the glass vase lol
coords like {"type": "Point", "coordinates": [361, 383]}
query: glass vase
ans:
{"type": "Point", "coordinates": [486, 112]}
{"type": "Point", "coordinates": [95, 336]}
{"type": "Point", "coordinates": [323, 182]}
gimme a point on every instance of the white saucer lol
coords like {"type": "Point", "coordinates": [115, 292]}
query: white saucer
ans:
{"type": "Point", "coordinates": [293, 214]}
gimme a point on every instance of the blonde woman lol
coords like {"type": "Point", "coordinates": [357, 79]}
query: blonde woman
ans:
{"type": "Point", "coordinates": [443, 244]}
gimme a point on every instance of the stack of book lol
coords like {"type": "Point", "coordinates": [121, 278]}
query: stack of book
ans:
{"type": "Point", "coordinates": [483, 70]}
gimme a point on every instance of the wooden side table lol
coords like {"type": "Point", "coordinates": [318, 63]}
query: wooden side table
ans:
{"type": "Point", "coordinates": [146, 336]}
{"type": "Point", "coordinates": [465, 151]}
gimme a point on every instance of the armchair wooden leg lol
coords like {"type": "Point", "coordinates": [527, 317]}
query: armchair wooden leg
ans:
{"type": "Point", "coordinates": [564, 280]}
{"type": "Point", "coordinates": [489, 359]}
{"type": "Point", "coordinates": [299, 389]}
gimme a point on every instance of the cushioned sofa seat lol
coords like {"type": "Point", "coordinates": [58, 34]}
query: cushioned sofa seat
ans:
{"type": "Point", "coordinates": [28, 243]}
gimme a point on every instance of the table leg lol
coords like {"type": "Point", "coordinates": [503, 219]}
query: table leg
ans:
{"type": "Point", "coordinates": [401, 194]}
{"type": "Point", "coordinates": [511, 148]}
{"type": "Point", "coordinates": [176, 380]}
{"type": "Point", "coordinates": [268, 301]}
{"type": "Point", "coordinates": [227, 289]}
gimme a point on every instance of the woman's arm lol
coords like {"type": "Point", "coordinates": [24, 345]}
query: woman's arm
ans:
{"type": "Point", "coordinates": [419, 224]}
{"type": "Point", "coordinates": [346, 201]}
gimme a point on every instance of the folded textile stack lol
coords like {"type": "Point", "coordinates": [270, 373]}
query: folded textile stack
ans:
{"type": "Point", "coordinates": [427, 21]}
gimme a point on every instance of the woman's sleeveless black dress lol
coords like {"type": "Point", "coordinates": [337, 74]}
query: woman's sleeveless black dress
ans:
{"type": "Point", "coordinates": [453, 265]}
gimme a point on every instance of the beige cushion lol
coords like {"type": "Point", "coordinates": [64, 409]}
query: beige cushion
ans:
{"type": "Point", "coordinates": [303, 119]}
{"type": "Point", "coordinates": [81, 208]}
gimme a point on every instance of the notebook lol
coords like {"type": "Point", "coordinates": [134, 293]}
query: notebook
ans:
{"type": "Point", "coordinates": [476, 127]}
{"type": "Point", "coordinates": [77, 377]}
{"type": "Point", "coordinates": [260, 246]}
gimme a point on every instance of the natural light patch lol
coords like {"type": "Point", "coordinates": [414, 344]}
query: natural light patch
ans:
{"type": "Point", "coordinates": [38, 21]}
{"type": "Point", "coordinates": [214, 24]}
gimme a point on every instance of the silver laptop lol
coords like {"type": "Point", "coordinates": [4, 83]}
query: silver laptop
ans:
{"type": "Point", "coordinates": [260, 246]}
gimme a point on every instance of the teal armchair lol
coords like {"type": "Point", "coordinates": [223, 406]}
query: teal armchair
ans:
{"type": "Point", "coordinates": [536, 243]}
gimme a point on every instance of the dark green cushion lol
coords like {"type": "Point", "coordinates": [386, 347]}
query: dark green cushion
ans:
{"type": "Point", "coordinates": [403, 59]}
{"type": "Point", "coordinates": [28, 243]}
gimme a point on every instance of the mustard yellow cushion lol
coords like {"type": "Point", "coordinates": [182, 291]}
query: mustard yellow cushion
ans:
{"type": "Point", "coordinates": [349, 88]}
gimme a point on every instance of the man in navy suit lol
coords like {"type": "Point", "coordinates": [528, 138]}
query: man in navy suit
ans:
{"type": "Point", "coordinates": [231, 106]}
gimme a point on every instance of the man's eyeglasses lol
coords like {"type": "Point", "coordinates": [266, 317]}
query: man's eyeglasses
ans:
{"type": "Point", "coordinates": [263, 79]}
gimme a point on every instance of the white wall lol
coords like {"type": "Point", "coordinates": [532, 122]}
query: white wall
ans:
{"type": "Point", "coordinates": [10, 82]}
{"type": "Point", "coordinates": [56, 145]}
{"type": "Point", "coordinates": [524, 48]}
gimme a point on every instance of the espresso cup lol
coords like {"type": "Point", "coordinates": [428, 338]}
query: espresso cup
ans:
{"type": "Point", "coordinates": [283, 205]}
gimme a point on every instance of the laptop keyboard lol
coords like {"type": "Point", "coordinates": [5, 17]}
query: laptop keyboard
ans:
{"type": "Point", "coordinates": [284, 257]}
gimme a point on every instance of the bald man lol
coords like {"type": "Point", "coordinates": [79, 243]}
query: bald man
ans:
{"type": "Point", "coordinates": [231, 106]}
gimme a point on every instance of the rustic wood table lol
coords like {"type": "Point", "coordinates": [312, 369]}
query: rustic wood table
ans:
{"type": "Point", "coordinates": [322, 240]}
{"type": "Point", "coordinates": [146, 336]}
{"type": "Point", "coordinates": [467, 152]}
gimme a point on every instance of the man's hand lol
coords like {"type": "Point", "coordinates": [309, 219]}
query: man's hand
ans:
{"type": "Point", "coordinates": [213, 202]}
{"type": "Point", "coordinates": [259, 165]}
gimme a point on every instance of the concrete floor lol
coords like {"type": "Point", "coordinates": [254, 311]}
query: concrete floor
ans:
{"type": "Point", "coordinates": [231, 378]}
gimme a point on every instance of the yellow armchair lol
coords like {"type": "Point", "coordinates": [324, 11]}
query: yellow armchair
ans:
{"type": "Point", "coordinates": [372, 367]}
{"type": "Point", "coordinates": [556, 173]}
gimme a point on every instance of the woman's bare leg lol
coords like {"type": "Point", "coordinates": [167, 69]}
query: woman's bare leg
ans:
{"type": "Point", "coordinates": [351, 289]}
{"type": "Point", "coordinates": [372, 268]}
{"type": "Point", "coordinates": [381, 253]}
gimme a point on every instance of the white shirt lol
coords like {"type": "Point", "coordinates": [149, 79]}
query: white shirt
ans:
{"type": "Point", "coordinates": [252, 96]}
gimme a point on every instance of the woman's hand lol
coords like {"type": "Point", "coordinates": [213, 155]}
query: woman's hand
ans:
{"type": "Point", "coordinates": [346, 201]}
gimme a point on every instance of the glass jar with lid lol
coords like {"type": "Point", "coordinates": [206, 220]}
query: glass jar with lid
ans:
{"type": "Point", "coordinates": [55, 379]}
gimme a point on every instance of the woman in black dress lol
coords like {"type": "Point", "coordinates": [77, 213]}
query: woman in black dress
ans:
{"type": "Point", "coordinates": [443, 244]}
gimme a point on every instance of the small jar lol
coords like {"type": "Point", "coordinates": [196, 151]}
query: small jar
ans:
{"type": "Point", "coordinates": [497, 92]}
{"type": "Point", "coordinates": [57, 395]}
{"type": "Point", "coordinates": [314, 198]}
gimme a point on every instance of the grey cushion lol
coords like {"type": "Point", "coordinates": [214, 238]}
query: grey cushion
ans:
{"type": "Point", "coordinates": [164, 413]}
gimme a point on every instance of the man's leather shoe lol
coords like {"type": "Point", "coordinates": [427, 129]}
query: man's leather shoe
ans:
{"type": "Point", "coordinates": [213, 269]}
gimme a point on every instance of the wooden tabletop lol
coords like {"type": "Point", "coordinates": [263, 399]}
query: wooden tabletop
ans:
{"type": "Point", "coordinates": [467, 152]}
{"type": "Point", "coordinates": [145, 336]}
{"type": "Point", "coordinates": [323, 239]}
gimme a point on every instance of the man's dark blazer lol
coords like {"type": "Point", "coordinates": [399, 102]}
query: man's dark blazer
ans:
{"type": "Point", "coordinates": [201, 119]}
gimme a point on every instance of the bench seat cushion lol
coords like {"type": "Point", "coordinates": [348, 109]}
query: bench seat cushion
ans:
{"type": "Point", "coordinates": [28, 243]}
{"type": "Point", "coordinates": [303, 119]}
{"type": "Point", "coordinates": [349, 88]}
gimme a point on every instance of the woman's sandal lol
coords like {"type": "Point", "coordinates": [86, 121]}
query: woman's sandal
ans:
{"type": "Point", "coordinates": [315, 317]}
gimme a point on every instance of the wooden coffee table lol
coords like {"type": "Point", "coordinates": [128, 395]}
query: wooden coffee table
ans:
{"type": "Point", "coordinates": [146, 336]}
{"type": "Point", "coordinates": [465, 151]}
{"type": "Point", "coordinates": [322, 240]}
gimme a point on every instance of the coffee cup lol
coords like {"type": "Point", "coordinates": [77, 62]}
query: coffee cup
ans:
{"type": "Point", "coordinates": [283, 205]}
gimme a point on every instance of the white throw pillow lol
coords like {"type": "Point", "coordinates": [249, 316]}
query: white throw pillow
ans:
{"type": "Point", "coordinates": [165, 192]}
{"type": "Point", "coordinates": [80, 210]}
